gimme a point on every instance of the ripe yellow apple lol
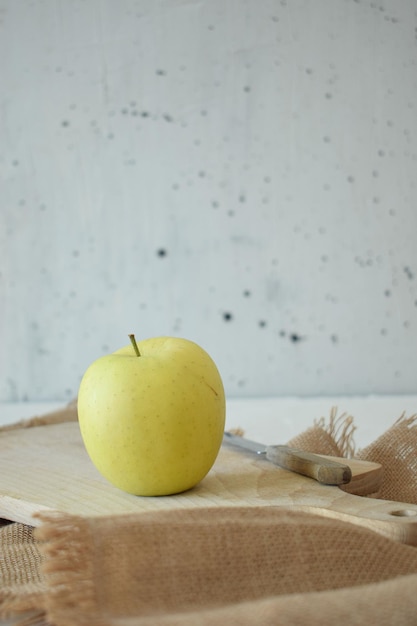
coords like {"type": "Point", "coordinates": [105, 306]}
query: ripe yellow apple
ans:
{"type": "Point", "coordinates": [152, 415]}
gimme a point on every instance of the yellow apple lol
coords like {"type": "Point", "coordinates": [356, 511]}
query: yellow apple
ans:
{"type": "Point", "coordinates": [152, 415]}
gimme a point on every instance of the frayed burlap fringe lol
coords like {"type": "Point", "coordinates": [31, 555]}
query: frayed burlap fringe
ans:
{"type": "Point", "coordinates": [396, 451]}
{"type": "Point", "coordinates": [332, 436]}
{"type": "Point", "coordinates": [341, 430]}
{"type": "Point", "coordinates": [68, 568]}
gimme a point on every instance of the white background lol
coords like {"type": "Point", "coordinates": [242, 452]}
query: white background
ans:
{"type": "Point", "coordinates": [240, 173]}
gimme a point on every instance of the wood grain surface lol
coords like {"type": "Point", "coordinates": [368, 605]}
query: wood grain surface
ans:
{"type": "Point", "coordinates": [47, 468]}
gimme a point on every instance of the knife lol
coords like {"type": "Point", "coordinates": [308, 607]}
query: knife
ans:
{"type": "Point", "coordinates": [321, 468]}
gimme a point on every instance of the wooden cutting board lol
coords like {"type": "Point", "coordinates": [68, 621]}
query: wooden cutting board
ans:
{"type": "Point", "coordinates": [47, 468]}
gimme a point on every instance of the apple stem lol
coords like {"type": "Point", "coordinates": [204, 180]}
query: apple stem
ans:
{"type": "Point", "coordinates": [134, 344]}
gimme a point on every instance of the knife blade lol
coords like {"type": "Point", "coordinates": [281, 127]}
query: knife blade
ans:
{"type": "Point", "coordinates": [322, 469]}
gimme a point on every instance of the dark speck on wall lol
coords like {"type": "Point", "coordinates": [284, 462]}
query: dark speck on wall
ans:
{"type": "Point", "coordinates": [295, 337]}
{"type": "Point", "coordinates": [408, 272]}
{"type": "Point", "coordinates": [247, 293]}
{"type": "Point", "coordinates": [161, 252]}
{"type": "Point", "coordinates": [262, 323]}
{"type": "Point", "coordinates": [227, 316]}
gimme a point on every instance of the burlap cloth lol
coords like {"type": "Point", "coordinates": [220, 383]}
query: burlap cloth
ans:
{"type": "Point", "coordinates": [225, 566]}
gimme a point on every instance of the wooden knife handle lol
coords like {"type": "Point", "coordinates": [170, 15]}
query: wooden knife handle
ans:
{"type": "Point", "coordinates": [323, 470]}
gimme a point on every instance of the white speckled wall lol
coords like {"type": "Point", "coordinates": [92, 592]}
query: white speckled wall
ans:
{"type": "Point", "coordinates": [241, 173]}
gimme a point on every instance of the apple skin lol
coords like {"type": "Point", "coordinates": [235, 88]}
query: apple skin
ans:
{"type": "Point", "coordinates": [153, 424]}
